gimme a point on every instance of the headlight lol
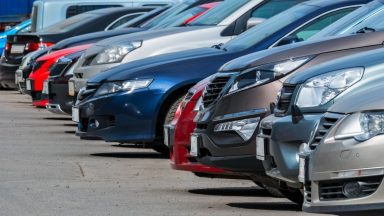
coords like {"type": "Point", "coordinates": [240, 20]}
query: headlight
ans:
{"type": "Point", "coordinates": [361, 126]}
{"type": "Point", "coordinates": [116, 53]}
{"type": "Point", "coordinates": [266, 73]}
{"type": "Point", "coordinates": [128, 86]}
{"type": "Point", "coordinates": [245, 127]}
{"type": "Point", "coordinates": [321, 89]}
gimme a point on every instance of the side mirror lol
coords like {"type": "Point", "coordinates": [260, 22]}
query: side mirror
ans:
{"type": "Point", "coordinates": [289, 40]}
{"type": "Point", "coordinates": [254, 21]}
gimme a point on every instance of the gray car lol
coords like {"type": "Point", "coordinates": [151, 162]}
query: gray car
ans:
{"type": "Point", "coordinates": [342, 167]}
{"type": "Point", "coordinates": [217, 26]}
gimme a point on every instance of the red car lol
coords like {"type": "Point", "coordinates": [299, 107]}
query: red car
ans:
{"type": "Point", "coordinates": [178, 135]}
{"type": "Point", "coordinates": [34, 83]}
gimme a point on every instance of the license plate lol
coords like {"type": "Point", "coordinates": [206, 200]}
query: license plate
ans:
{"type": "Point", "coordinates": [260, 148]}
{"type": "Point", "coordinates": [75, 114]}
{"type": "Point", "coordinates": [45, 87]}
{"type": "Point", "coordinates": [17, 49]}
{"type": "Point", "coordinates": [301, 170]}
{"type": "Point", "coordinates": [71, 88]}
{"type": "Point", "coordinates": [194, 145]}
{"type": "Point", "coordinates": [28, 85]}
{"type": "Point", "coordinates": [166, 136]}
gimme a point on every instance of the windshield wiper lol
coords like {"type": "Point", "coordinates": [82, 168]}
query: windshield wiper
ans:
{"type": "Point", "coordinates": [366, 30]}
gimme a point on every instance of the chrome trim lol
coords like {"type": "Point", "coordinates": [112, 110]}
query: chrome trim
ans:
{"type": "Point", "coordinates": [238, 115]}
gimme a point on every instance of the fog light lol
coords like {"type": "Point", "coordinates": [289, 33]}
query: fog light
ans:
{"type": "Point", "coordinates": [352, 189]}
{"type": "Point", "coordinates": [94, 123]}
{"type": "Point", "coordinates": [245, 127]}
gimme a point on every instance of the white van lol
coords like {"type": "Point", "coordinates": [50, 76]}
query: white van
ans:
{"type": "Point", "coordinates": [49, 12]}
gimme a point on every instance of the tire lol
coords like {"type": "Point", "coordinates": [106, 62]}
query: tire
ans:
{"type": "Point", "coordinates": [160, 147]}
{"type": "Point", "coordinates": [293, 194]}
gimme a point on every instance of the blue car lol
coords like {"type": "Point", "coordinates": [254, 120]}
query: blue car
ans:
{"type": "Point", "coordinates": [132, 102]}
{"type": "Point", "coordinates": [20, 28]}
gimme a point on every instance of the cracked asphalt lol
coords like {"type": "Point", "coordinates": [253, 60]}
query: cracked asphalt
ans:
{"type": "Point", "coordinates": [46, 170]}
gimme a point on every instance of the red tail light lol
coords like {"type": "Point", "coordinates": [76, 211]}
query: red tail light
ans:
{"type": "Point", "coordinates": [36, 46]}
{"type": "Point", "coordinates": [7, 47]}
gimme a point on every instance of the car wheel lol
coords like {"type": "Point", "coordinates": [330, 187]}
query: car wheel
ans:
{"type": "Point", "coordinates": [293, 194]}
{"type": "Point", "coordinates": [161, 148]}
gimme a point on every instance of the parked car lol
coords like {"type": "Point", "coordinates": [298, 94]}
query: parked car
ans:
{"type": "Point", "coordinates": [20, 45]}
{"type": "Point", "coordinates": [149, 20]}
{"type": "Point", "coordinates": [343, 161]}
{"type": "Point", "coordinates": [46, 13]}
{"type": "Point", "coordinates": [55, 89]}
{"type": "Point", "coordinates": [60, 102]}
{"type": "Point", "coordinates": [41, 71]}
{"type": "Point", "coordinates": [169, 77]}
{"type": "Point", "coordinates": [242, 92]}
{"type": "Point", "coordinates": [20, 28]}
{"type": "Point", "coordinates": [290, 110]}
{"type": "Point", "coordinates": [217, 26]}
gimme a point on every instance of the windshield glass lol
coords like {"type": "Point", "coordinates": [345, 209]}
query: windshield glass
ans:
{"type": "Point", "coordinates": [269, 27]}
{"type": "Point", "coordinates": [370, 15]}
{"type": "Point", "coordinates": [69, 24]}
{"type": "Point", "coordinates": [219, 13]}
{"type": "Point", "coordinates": [168, 14]}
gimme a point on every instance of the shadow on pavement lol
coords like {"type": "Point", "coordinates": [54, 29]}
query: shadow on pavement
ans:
{"type": "Point", "coordinates": [232, 191]}
{"type": "Point", "coordinates": [136, 146]}
{"type": "Point", "coordinates": [140, 155]}
{"type": "Point", "coordinates": [367, 213]}
{"type": "Point", "coordinates": [286, 206]}
{"type": "Point", "coordinates": [70, 132]}
{"type": "Point", "coordinates": [70, 125]}
{"type": "Point", "coordinates": [58, 118]}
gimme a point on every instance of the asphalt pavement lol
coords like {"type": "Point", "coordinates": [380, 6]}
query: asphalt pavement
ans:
{"type": "Point", "coordinates": [46, 170]}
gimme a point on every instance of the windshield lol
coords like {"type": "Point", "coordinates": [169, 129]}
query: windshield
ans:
{"type": "Point", "coordinates": [219, 13]}
{"type": "Point", "coordinates": [68, 24]}
{"type": "Point", "coordinates": [269, 27]}
{"type": "Point", "coordinates": [182, 17]}
{"type": "Point", "coordinates": [168, 14]}
{"type": "Point", "coordinates": [370, 15]}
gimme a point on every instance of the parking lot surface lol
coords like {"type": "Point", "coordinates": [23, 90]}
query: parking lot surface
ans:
{"type": "Point", "coordinates": [46, 170]}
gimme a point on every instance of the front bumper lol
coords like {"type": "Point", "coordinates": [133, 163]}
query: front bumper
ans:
{"type": "Point", "coordinates": [59, 100]}
{"type": "Point", "coordinates": [181, 159]}
{"type": "Point", "coordinates": [120, 117]}
{"type": "Point", "coordinates": [7, 75]}
{"type": "Point", "coordinates": [283, 139]}
{"type": "Point", "coordinates": [338, 162]}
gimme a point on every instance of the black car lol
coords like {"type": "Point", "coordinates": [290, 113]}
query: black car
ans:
{"type": "Point", "coordinates": [99, 20]}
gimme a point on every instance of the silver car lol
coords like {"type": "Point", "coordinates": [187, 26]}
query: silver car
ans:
{"type": "Point", "coordinates": [344, 171]}
{"type": "Point", "coordinates": [217, 26]}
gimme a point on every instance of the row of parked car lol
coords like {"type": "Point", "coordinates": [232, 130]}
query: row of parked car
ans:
{"type": "Point", "coordinates": [286, 93]}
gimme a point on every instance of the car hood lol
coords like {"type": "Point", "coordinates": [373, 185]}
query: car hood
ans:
{"type": "Point", "coordinates": [368, 99]}
{"type": "Point", "coordinates": [148, 66]}
{"type": "Point", "coordinates": [302, 49]}
{"type": "Point", "coordinates": [94, 37]}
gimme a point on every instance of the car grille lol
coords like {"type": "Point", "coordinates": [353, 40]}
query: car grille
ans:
{"type": "Point", "coordinates": [88, 91]}
{"type": "Point", "coordinates": [308, 192]}
{"type": "Point", "coordinates": [333, 190]}
{"type": "Point", "coordinates": [213, 90]}
{"type": "Point", "coordinates": [326, 123]}
{"type": "Point", "coordinates": [284, 99]}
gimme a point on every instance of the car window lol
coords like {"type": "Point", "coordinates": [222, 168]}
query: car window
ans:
{"type": "Point", "coordinates": [273, 7]}
{"type": "Point", "coordinates": [320, 23]}
{"type": "Point", "coordinates": [180, 18]}
{"type": "Point", "coordinates": [68, 24]}
{"type": "Point", "coordinates": [74, 10]}
{"type": "Point", "coordinates": [269, 27]}
{"type": "Point", "coordinates": [122, 20]}
{"type": "Point", "coordinates": [219, 13]}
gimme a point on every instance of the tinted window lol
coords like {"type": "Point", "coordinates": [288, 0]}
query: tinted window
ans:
{"type": "Point", "coordinates": [123, 20]}
{"type": "Point", "coordinates": [273, 7]}
{"type": "Point", "coordinates": [219, 13]}
{"type": "Point", "coordinates": [78, 9]}
{"type": "Point", "coordinates": [69, 24]}
{"type": "Point", "coordinates": [269, 27]}
{"type": "Point", "coordinates": [352, 22]}
{"type": "Point", "coordinates": [320, 23]}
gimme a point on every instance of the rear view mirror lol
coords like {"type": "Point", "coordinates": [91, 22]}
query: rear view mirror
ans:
{"type": "Point", "coordinates": [254, 21]}
{"type": "Point", "coordinates": [289, 40]}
